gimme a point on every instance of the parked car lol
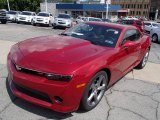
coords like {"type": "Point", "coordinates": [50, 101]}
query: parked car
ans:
{"type": "Point", "coordinates": [26, 17]}
{"type": "Point", "coordinates": [80, 19]}
{"type": "Point", "coordinates": [131, 18]}
{"type": "Point", "coordinates": [63, 20]}
{"type": "Point", "coordinates": [106, 20]}
{"type": "Point", "coordinates": [43, 18]}
{"type": "Point", "coordinates": [137, 23]}
{"type": "Point", "coordinates": [149, 25]}
{"type": "Point", "coordinates": [93, 19]}
{"type": "Point", "coordinates": [3, 16]}
{"type": "Point", "coordinates": [155, 34]}
{"type": "Point", "coordinates": [75, 68]}
{"type": "Point", "coordinates": [12, 15]}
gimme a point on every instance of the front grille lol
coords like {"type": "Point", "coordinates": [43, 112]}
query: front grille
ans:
{"type": "Point", "coordinates": [22, 18]}
{"type": "Point", "coordinates": [61, 22]}
{"type": "Point", "coordinates": [29, 71]}
{"type": "Point", "coordinates": [39, 20]}
{"type": "Point", "coordinates": [32, 93]}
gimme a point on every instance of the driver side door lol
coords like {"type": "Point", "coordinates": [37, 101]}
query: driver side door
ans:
{"type": "Point", "coordinates": [129, 51]}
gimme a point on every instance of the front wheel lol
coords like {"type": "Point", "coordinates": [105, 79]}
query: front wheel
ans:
{"type": "Point", "coordinates": [4, 21]}
{"type": "Point", "coordinates": [94, 91]}
{"type": "Point", "coordinates": [143, 61]}
{"type": "Point", "coordinates": [155, 38]}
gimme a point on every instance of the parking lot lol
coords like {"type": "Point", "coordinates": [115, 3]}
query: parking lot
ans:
{"type": "Point", "coordinates": [135, 97]}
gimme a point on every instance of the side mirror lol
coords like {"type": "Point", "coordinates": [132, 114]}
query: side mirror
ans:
{"type": "Point", "coordinates": [127, 44]}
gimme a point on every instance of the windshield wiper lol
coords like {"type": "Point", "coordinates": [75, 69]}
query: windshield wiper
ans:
{"type": "Point", "coordinates": [64, 34]}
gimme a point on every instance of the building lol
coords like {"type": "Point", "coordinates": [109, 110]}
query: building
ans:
{"type": "Point", "coordinates": [155, 9]}
{"type": "Point", "coordinates": [96, 8]}
{"type": "Point", "coordinates": [134, 7]}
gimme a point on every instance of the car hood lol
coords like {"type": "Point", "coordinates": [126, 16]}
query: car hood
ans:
{"type": "Point", "coordinates": [57, 53]}
{"type": "Point", "coordinates": [11, 15]}
{"type": "Point", "coordinates": [41, 17]}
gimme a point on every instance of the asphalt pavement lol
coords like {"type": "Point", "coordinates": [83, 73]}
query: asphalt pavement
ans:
{"type": "Point", "coordinates": [135, 97]}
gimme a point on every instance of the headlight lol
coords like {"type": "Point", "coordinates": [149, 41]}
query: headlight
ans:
{"type": "Point", "coordinates": [68, 21]}
{"type": "Point", "coordinates": [51, 76]}
{"type": "Point", "coordinates": [46, 18]}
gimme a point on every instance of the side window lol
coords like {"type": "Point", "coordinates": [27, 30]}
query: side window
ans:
{"type": "Point", "coordinates": [131, 35]}
{"type": "Point", "coordinates": [139, 23]}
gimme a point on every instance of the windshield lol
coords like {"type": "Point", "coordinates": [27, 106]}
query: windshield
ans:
{"type": "Point", "coordinates": [156, 25]}
{"type": "Point", "coordinates": [43, 14]}
{"type": "Point", "coordinates": [96, 34]}
{"type": "Point", "coordinates": [12, 12]}
{"type": "Point", "coordinates": [26, 13]}
{"type": "Point", "coordinates": [64, 16]}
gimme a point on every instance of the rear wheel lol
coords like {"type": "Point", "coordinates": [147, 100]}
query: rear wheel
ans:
{"type": "Point", "coordinates": [143, 61]}
{"type": "Point", "coordinates": [94, 91]}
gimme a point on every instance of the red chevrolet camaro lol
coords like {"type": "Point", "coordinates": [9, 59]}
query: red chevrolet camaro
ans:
{"type": "Point", "coordinates": [74, 69]}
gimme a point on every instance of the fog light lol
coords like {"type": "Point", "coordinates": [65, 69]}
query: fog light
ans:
{"type": "Point", "coordinates": [58, 99]}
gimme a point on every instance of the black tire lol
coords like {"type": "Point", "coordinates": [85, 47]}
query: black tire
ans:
{"type": "Point", "coordinates": [54, 27]}
{"type": "Point", "coordinates": [143, 62]}
{"type": "Point", "coordinates": [4, 21]}
{"type": "Point", "coordinates": [34, 24]}
{"type": "Point", "coordinates": [154, 38]}
{"type": "Point", "coordinates": [50, 24]}
{"type": "Point", "coordinates": [18, 22]}
{"type": "Point", "coordinates": [89, 100]}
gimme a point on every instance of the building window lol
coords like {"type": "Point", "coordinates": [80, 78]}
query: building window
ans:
{"type": "Point", "coordinates": [140, 6]}
{"type": "Point", "coordinates": [137, 12]}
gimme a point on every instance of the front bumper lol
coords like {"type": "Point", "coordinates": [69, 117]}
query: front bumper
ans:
{"type": "Point", "coordinates": [25, 85]}
{"type": "Point", "coordinates": [62, 24]}
{"type": "Point", "coordinates": [25, 20]}
{"type": "Point", "coordinates": [42, 22]}
{"type": "Point", "coordinates": [3, 18]}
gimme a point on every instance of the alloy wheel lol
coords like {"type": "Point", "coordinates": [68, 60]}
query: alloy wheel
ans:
{"type": "Point", "coordinates": [96, 90]}
{"type": "Point", "coordinates": [145, 59]}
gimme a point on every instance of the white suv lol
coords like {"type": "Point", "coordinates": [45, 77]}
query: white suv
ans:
{"type": "Point", "coordinates": [26, 17]}
{"type": "Point", "coordinates": [63, 20]}
{"type": "Point", "coordinates": [43, 18]}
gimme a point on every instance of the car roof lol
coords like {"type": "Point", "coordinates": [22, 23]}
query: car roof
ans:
{"type": "Point", "coordinates": [132, 20]}
{"type": "Point", "coordinates": [45, 12]}
{"type": "Point", "coordinates": [63, 14]}
{"type": "Point", "coordinates": [28, 11]}
{"type": "Point", "coordinates": [115, 25]}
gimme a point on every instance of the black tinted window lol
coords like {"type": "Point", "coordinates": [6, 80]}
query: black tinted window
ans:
{"type": "Point", "coordinates": [139, 23]}
{"type": "Point", "coordinates": [64, 16]}
{"type": "Point", "coordinates": [132, 35]}
{"type": "Point", "coordinates": [128, 22]}
{"type": "Point", "coordinates": [26, 13]}
{"type": "Point", "coordinates": [43, 14]}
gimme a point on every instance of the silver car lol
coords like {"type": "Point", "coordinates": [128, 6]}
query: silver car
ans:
{"type": "Point", "coordinates": [12, 15]}
{"type": "Point", "coordinates": [62, 20]}
{"type": "Point", "coordinates": [155, 34]}
{"type": "Point", "coordinates": [93, 19]}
